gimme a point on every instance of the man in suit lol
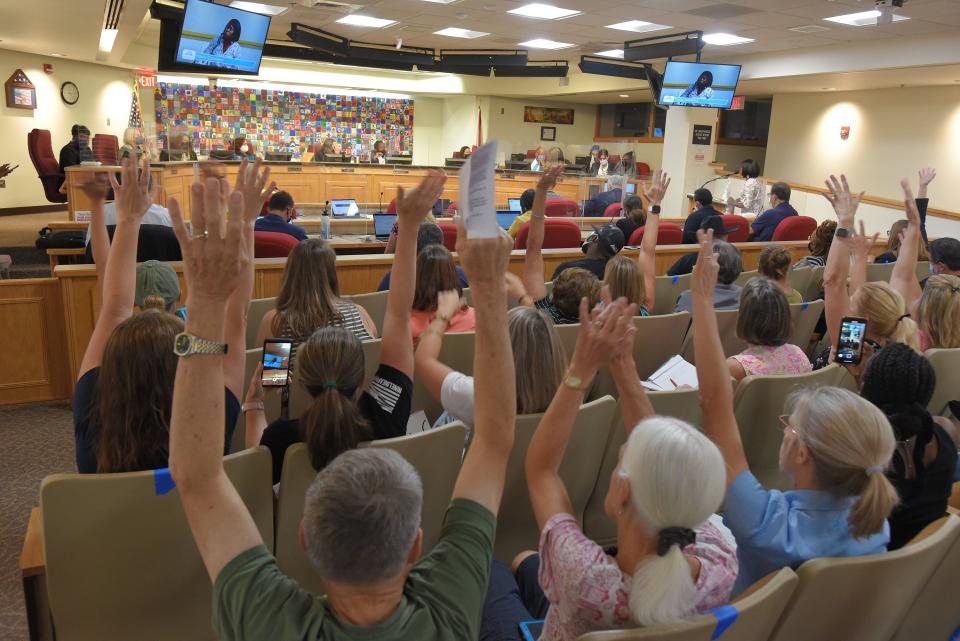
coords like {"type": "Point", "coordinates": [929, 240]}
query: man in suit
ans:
{"type": "Point", "coordinates": [614, 194]}
{"type": "Point", "coordinates": [704, 202]}
{"type": "Point", "coordinates": [780, 208]}
{"type": "Point", "coordinates": [277, 218]}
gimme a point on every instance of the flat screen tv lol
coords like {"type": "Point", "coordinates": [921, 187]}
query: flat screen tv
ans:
{"type": "Point", "coordinates": [697, 84]}
{"type": "Point", "coordinates": [216, 37]}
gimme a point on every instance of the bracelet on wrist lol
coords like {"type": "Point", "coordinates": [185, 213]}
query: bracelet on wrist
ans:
{"type": "Point", "coordinates": [251, 406]}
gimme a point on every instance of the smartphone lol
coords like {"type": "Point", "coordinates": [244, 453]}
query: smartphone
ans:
{"type": "Point", "coordinates": [531, 630]}
{"type": "Point", "coordinates": [276, 362]}
{"type": "Point", "coordinates": [850, 342]}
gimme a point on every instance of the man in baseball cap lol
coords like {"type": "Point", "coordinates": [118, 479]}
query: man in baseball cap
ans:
{"type": "Point", "coordinates": [605, 243]}
{"type": "Point", "coordinates": [684, 264]}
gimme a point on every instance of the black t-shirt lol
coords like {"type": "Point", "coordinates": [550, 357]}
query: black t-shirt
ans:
{"type": "Point", "coordinates": [594, 265]}
{"type": "Point", "coordinates": [684, 265]}
{"type": "Point", "coordinates": [385, 404]}
{"type": "Point", "coordinates": [86, 430]}
{"type": "Point", "coordinates": [627, 226]}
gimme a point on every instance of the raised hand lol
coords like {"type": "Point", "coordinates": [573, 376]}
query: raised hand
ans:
{"type": "Point", "coordinates": [548, 180]}
{"type": "Point", "coordinates": [414, 205]}
{"type": "Point", "coordinates": [484, 259]}
{"type": "Point", "coordinates": [252, 181]}
{"type": "Point", "coordinates": [861, 244]}
{"type": "Point", "coordinates": [214, 255]}
{"type": "Point", "coordinates": [909, 204]}
{"type": "Point", "coordinates": [704, 278]}
{"type": "Point", "coordinates": [655, 191]}
{"type": "Point", "coordinates": [844, 202]}
{"type": "Point", "coordinates": [927, 174]}
{"type": "Point", "coordinates": [134, 197]}
{"type": "Point", "coordinates": [97, 188]}
{"type": "Point", "coordinates": [604, 334]}
{"type": "Point", "coordinates": [448, 303]}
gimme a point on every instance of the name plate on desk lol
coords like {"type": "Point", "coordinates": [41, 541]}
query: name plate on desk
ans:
{"type": "Point", "coordinates": [400, 171]}
{"type": "Point", "coordinates": [294, 168]}
{"type": "Point", "coordinates": [507, 176]}
{"type": "Point", "coordinates": [347, 170]}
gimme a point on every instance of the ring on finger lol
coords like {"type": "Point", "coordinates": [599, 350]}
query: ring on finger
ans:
{"type": "Point", "coordinates": [202, 235]}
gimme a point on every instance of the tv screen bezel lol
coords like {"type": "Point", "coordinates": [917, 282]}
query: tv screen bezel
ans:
{"type": "Point", "coordinates": [663, 78]}
{"type": "Point", "coordinates": [212, 69]}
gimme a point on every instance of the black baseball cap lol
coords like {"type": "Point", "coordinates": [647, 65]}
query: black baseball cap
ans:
{"type": "Point", "coordinates": [716, 224]}
{"type": "Point", "coordinates": [610, 238]}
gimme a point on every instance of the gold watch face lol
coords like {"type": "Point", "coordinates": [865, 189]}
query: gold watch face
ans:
{"type": "Point", "coordinates": [182, 344]}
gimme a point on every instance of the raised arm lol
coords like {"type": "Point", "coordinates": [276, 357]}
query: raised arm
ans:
{"type": "Point", "coordinates": [120, 278]}
{"type": "Point", "coordinates": [484, 470]}
{"type": "Point", "coordinates": [634, 403]}
{"type": "Point", "coordinates": [860, 245]}
{"type": "Point", "coordinates": [904, 276]}
{"type": "Point", "coordinates": [716, 391]}
{"type": "Point", "coordinates": [214, 266]}
{"type": "Point", "coordinates": [534, 278]}
{"type": "Point", "coordinates": [396, 350]}
{"type": "Point", "coordinates": [647, 259]}
{"type": "Point", "coordinates": [428, 367]}
{"type": "Point", "coordinates": [836, 294]}
{"type": "Point", "coordinates": [603, 335]}
{"type": "Point", "coordinates": [927, 174]}
{"type": "Point", "coordinates": [96, 190]}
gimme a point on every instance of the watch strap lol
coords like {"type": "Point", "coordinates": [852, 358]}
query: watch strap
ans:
{"type": "Point", "coordinates": [574, 382]}
{"type": "Point", "coordinates": [654, 209]}
{"type": "Point", "coordinates": [842, 232]}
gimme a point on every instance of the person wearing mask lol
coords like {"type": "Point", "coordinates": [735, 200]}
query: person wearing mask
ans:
{"type": "Point", "coordinates": [181, 149]}
{"type": "Point", "coordinates": [703, 200]}
{"type": "Point", "coordinates": [78, 149]}
{"type": "Point", "coordinates": [761, 230]}
{"type": "Point", "coordinates": [627, 166]}
{"type": "Point", "coordinates": [600, 201]}
{"type": "Point", "coordinates": [726, 292]}
{"type": "Point", "coordinates": [379, 155]}
{"type": "Point", "coordinates": [387, 591]}
{"type": "Point", "coordinates": [819, 245]}
{"type": "Point", "coordinates": [632, 216]}
{"type": "Point", "coordinates": [227, 44]}
{"type": "Point", "coordinates": [674, 558]}
{"type": "Point", "coordinates": [428, 234]}
{"type": "Point", "coordinates": [243, 149]}
{"type": "Point", "coordinates": [774, 263]}
{"type": "Point", "coordinates": [437, 275]}
{"type": "Point", "coordinates": [526, 206]}
{"type": "Point", "coordinates": [601, 167]}
{"type": "Point", "coordinates": [593, 164]}
{"type": "Point", "coordinates": [751, 197]}
{"type": "Point", "coordinates": [278, 217]}
{"type": "Point", "coordinates": [684, 264]}
{"type": "Point", "coordinates": [539, 160]}
{"type": "Point", "coordinates": [465, 151]}
{"type": "Point", "coordinates": [605, 243]}
{"type": "Point", "coordinates": [133, 143]}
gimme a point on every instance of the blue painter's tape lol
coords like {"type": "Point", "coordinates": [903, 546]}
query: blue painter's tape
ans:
{"type": "Point", "coordinates": [676, 279]}
{"type": "Point", "coordinates": [804, 306]}
{"type": "Point", "coordinates": [726, 616]}
{"type": "Point", "coordinates": [162, 481]}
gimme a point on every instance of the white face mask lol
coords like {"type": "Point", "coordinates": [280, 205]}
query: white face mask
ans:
{"type": "Point", "coordinates": [541, 158]}
{"type": "Point", "coordinates": [244, 149]}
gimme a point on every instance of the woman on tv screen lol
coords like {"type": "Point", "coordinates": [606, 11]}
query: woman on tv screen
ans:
{"type": "Point", "coordinates": [227, 44]}
{"type": "Point", "coordinates": [702, 88]}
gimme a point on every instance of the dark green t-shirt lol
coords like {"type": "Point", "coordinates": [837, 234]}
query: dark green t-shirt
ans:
{"type": "Point", "coordinates": [443, 597]}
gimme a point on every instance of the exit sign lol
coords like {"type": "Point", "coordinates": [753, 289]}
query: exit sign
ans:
{"type": "Point", "coordinates": [147, 78]}
{"type": "Point", "coordinates": [737, 104]}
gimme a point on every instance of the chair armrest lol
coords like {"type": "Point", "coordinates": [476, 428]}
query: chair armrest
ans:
{"type": "Point", "coordinates": [31, 556]}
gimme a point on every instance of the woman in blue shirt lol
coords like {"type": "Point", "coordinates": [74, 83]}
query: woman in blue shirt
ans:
{"type": "Point", "coordinates": [835, 447]}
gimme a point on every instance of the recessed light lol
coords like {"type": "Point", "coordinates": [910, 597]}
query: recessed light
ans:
{"type": "Point", "coordinates": [724, 39]}
{"type": "Point", "coordinates": [624, 95]}
{"type": "Point", "coordinates": [864, 18]}
{"type": "Point", "coordinates": [358, 20]}
{"type": "Point", "coordinates": [258, 7]}
{"type": "Point", "coordinates": [543, 11]}
{"type": "Point", "coordinates": [829, 88]}
{"type": "Point", "coordinates": [454, 32]}
{"type": "Point", "coordinates": [611, 53]}
{"type": "Point", "coordinates": [58, 55]}
{"type": "Point", "coordinates": [543, 43]}
{"type": "Point", "coordinates": [638, 26]}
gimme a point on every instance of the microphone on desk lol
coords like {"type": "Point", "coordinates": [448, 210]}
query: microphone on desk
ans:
{"type": "Point", "coordinates": [733, 173]}
{"type": "Point", "coordinates": [380, 208]}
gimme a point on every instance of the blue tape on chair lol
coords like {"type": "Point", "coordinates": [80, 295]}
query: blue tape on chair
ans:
{"type": "Point", "coordinates": [804, 306]}
{"type": "Point", "coordinates": [676, 279]}
{"type": "Point", "coordinates": [162, 481]}
{"type": "Point", "coordinates": [726, 616]}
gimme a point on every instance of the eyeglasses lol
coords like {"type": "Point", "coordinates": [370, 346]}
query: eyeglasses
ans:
{"type": "Point", "coordinates": [785, 424]}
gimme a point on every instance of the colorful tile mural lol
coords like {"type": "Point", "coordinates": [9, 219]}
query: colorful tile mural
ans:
{"type": "Point", "coordinates": [283, 120]}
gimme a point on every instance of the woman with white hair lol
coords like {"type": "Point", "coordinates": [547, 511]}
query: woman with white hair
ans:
{"type": "Point", "coordinates": [674, 559]}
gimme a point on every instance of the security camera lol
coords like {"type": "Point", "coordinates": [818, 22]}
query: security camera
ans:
{"type": "Point", "coordinates": [890, 4]}
{"type": "Point", "coordinates": [887, 9]}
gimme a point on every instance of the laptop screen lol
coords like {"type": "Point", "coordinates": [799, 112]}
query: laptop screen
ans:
{"type": "Point", "coordinates": [383, 224]}
{"type": "Point", "coordinates": [440, 207]}
{"type": "Point", "coordinates": [506, 218]}
{"type": "Point", "coordinates": [344, 207]}
{"type": "Point", "coordinates": [631, 188]}
{"type": "Point", "coordinates": [513, 204]}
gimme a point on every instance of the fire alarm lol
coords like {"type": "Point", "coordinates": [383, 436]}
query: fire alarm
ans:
{"type": "Point", "coordinates": [844, 133]}
{"type": "Point", "coordinates": [47, 68]}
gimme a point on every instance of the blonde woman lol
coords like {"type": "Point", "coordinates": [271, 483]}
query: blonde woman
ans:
{"type": "Point", "coordinates": [774, 263]}
{"type": "Point", "coordinates": [625, 279]}
{"type": "Point", "coordinates": [939, 311]}
{"type": "Point", "coordinates": [835, 447]}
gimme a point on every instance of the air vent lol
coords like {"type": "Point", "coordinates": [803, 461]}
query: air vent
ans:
{"type": "Point", "coordinates": [415, 28]}
{"type": "Point", "coordinates": [111, 17]}
{"type": "Point", "coordinates": [331, 5]}
{"type": "Point", "coordinates": [809, 28]}
{"type": "Point", "coordinates": [721, 11]}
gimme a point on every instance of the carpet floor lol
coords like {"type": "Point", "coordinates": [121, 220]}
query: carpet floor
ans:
{"type": "Point", "coordinates": [37, 441]}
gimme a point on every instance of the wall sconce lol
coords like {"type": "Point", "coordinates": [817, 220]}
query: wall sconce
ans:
{"type": "Point", "coordinates": [844, 132]}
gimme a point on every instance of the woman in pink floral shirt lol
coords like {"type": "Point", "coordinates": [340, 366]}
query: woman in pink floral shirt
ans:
{"type": "Point", "coordinates": [764, 323]}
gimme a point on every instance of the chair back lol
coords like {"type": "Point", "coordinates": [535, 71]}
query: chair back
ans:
{"type": "Point", "coordinates": [805, 317]}
{"type": "Point", "coordinates": [932, 615]}
{"type": "Point", "coordinates": [643, 170]}
{"type": "Point", "coordinates": [727, 324]}
{"type": "Point", "coordinates": [758, 402]}
{"type": "Point", "coordinates": [613, 210]}
{"type": "Point", "coordinates": [449, 235]}
{"type": "Point", "coordinates": [558, 233]}
{"type": "Point", "coordinates": [273, 244]}
{"type": "Point", "coordinates": [667, 290]}
{"type": "Point", "coordinates": [562, 208]}
{"type": "Point", "coordinates": [879, 272]}
{"type": "Point", "coordinates": [392, 207]}
{"type": "Point", "coordinates": [456, 352]}
{"type": "Point", "coordinates": [799, 279]}
{"type": "Point", "coordinates": [300, 398]}
{"type": "Point", "coordinates": [742, 225]}
{"type": "Point", "coordinates": [667, 234]}
{"type": "Point", "coordinates": [154, 242]}
{"type": "Point", "coordinates": [106, 149]}
{"type": "Point", "coordinates": [46, 164]}
{"type": "Point", "coordinates": [746, 276]}
{"type": "Point", "coordinates": [946, 364]}
{"type": "Point", "coordinates": [820, 608]}
{"type": "Point", "coordinates": [749, 618]}
{"type": "Point", "coordinates": [516, 525]}
{"type": "Point", "coordinates": [375, 303]}
{"type": "Point", "coordinates": [794, 228]}
{"type": "Point", "coordinates": [435, 454]}
{"type": "Point", "coordinates": [257, 309]}
{"type": "Point", "coordinates": [120, 558]}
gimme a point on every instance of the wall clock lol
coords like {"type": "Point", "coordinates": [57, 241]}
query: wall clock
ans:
{"type": "Point", "coordinates": [69, 93]}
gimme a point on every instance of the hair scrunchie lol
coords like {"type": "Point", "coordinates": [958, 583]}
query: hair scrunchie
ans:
{"type": "Point", "coordinates": [670, 536]}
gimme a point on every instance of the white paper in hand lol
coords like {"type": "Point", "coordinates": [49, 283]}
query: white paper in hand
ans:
{"type": "Point", "coordinates": [477, 202]}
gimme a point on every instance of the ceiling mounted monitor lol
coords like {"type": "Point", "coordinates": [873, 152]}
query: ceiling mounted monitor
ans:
{"type": "Point", "coordinates": [671, 46]}
{"type": "Point", "coordinates": [535, 69]}
{"type": "Point", "coordinates": [695, 84]}
{"type": "Point", "coordinates": [319, 39]}
{"type": "Point", "coordinates": [484, 57]}
{"type": "Point", "coordinates": [221, 39]}
{"type": "Point", "coordinates": [606, 67]}
{"type": "Point", "coordinates": [389, 53]}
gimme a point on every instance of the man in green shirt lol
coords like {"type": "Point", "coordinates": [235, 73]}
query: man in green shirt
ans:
{"type": "Point", "coordinates": [362, 513]}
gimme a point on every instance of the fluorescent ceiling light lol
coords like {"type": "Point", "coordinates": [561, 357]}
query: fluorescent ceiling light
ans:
{"type": "Point", "coordinates": [543, 11]}
{"type": "Point", "coordinates": [863, 19]}
{"type": "Point", "coordinates": [358, 20]}
{"type": "Point", "coordinates": [258, 7]}
{"type": "Point", "coordinates": [455, 32]}
{"type": "Point", "coordinates": [542, 43]}
{"type": "Point", "coordinates": [623, 95]}
{"type": "Point", "coordinates": [638, 26]}
{"type": "Point", "coordinates": [107, 38]}
{"type": "Point", "coordinates": [611, 53]}
{"type": "Point", "coordinates": [724, 39]}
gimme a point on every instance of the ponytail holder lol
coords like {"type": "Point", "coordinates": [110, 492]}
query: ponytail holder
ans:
{"type": "Point", "coordinates": [329, 385]}
{"type": "Point", "coordinates": [902, 317]}
{"type": "Point", "coordinates": [873, 469]}
{"type": "Point", "coordinates": [670, 536]}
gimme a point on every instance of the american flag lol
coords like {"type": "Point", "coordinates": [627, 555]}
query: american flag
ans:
{"type": "Point", "coordinates": [136, 116]}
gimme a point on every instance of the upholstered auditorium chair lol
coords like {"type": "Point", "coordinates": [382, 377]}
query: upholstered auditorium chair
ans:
{"type": "Point", "coordinates": [271, 244]}
{"type": "Point", "coordinates": [449, 235]}
{"type": "Point", "coordinates": [559, 233]}
{"type": "Point", "coordinates": [562, 207]}
{"type": "Point", "coordinates": [643, 170]}
{"type": "Point", "coordinates": [46, 164]}
{"type": "Point", "coordinates": [613, 210]}
{"type": "Point", "coordinates": [668, 234]}
{"type": "Point", "coordinates": [794, 228]}
{"type": "Point", "coordinates": [106, 149]}
{"type": "Point", "coordinates": [742, 224]}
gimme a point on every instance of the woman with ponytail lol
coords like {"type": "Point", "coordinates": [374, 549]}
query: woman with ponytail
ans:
{"type": "Point", "coordinates": [835, 448]}
{"type": "Point", "coordinates": [345, 410]}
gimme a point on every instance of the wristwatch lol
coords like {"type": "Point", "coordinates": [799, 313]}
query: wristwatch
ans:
{"type": "Point", "coordinates": [654, 209]}
{"type": "Point", "coordinates": [842, 232]}
{"type": "Point", "coordinates": [574, 382]}
{"type": "Point", "coordinates": [185, 344]}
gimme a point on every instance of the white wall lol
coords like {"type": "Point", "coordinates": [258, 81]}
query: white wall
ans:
{"type": "Point", "coordinates": [893, 133]}
{"type": "Point", "coordinates": [104, 106]}
{"type": "Point", "coordinates": [459, 125]}
{"type": "Point", "coordinates": [734, 155]}
{"type": "Point", "coordinates": [428, 131]}
{"type": "Point", "coordinates": [516, 136]}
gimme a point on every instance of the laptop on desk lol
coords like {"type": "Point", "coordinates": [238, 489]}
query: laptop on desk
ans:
{"type": "Point", "coordinates": [383, 225]}
{"type": "Point", "coordinates": [506, 218]}
{"type": "Point", "coordinates": [344, 208]}
{"type": "Point", "coordinates": [513, 204]}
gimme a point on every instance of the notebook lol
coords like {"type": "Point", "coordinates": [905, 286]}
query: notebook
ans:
{"type": "Point", "coordinates": [676, 372]}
